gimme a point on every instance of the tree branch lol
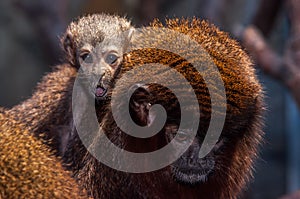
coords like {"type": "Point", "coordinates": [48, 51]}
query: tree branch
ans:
{"type": "Point", "coordinates": [284, 68]}
{"type": "Point", "coordinates": [292, 196]}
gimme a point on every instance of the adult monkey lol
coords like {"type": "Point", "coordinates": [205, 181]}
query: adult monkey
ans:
{"type": "Point", "coordinates": [224, 172]}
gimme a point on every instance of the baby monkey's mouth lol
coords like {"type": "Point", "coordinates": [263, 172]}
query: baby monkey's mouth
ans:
{"type": "Point", "coordinates": [100, 91]}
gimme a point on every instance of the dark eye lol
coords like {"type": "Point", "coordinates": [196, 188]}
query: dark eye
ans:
{"type": "Point", "coordinates": [111, 59]}
{"type": "Point", "coordinates": [86, 58]}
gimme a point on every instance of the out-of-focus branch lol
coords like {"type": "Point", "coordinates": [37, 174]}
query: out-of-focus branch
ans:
{"type": "Point", "coordinates": [292, 56]}
{"type": "Point", "coordinates": [285, 68]}
{"type": "Point", "coordinates": [255, 43]}
{"type": "Point", "coordinates": [292, 196]}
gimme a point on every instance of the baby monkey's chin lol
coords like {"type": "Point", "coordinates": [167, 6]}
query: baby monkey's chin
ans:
{"type": "Point", "coordinates": [101, 100]}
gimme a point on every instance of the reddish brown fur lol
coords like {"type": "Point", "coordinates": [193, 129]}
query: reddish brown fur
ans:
{"type": "Point", "coordinates": [48, 112]}
{"type": "Point", "coordinates": [28, 169]}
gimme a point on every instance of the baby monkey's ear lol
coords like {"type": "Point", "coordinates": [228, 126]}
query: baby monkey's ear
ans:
{"type": "Point", "coordinates": [128, 37]}
{"type": "Point", "coordinates": [68, 45]}
{"type": "Point", "coordinates": [130, 33]}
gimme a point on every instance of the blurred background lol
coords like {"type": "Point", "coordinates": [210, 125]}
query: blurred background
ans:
{"type": "Point", "coordinates": [268, 29]}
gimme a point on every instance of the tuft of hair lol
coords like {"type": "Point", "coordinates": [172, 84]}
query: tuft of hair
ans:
{"type": "Point", "coordinates": [92, 29]}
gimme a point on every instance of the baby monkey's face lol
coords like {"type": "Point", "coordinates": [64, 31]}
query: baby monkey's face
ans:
{"type": "Point", "coordinates": [95, 44]}
{"type": "Point", "coordinates": [100, 65]}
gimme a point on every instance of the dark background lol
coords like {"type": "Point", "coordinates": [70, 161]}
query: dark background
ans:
{"type": "Point", "coordinates": [29, 45]}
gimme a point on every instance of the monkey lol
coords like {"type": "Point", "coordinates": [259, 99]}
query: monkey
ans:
{"type": "Point", "coordinates": [28, 169]}
{"type": "Point", "coordinates": [48, 112]}
{"type": "Point", "coordinates": [222, 173]}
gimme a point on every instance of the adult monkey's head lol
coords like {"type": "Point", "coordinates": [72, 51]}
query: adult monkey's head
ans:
{"type": "Point", "coordinates": [224, 171]}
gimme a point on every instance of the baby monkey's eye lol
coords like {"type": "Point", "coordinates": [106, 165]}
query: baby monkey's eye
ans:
{"type": "Point", "coordinates": [111, 59]}
{"type": "Point", "coordinates": [86, 57]}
